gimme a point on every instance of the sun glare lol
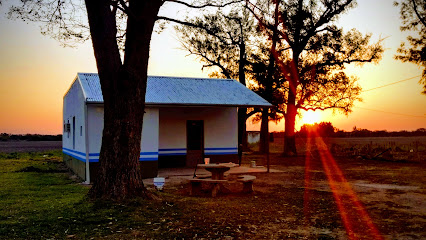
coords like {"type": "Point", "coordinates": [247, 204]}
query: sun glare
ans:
{"type": "Point", "coordinates": [311, 117]}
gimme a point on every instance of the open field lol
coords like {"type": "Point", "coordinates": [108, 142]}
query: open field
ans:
{"type": "Point", "coordinates": [41, 200]}
{"type": "Point", "coordinates": [29, 146]}
{"type": "Point", "coordinates": [400, 148]}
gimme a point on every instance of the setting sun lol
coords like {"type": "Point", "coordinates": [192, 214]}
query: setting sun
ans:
{"type": "Point", "coordinates": [311, 117]}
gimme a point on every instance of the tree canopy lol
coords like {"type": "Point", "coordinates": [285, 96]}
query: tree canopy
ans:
{"type": "Point", "coordinates": [230, 46]}
{"type": "Point", "coordinates": [312, 52]}
{"type": "Point", "coordinates": [413, 16]}
{"type": "Point", "coordinates": [298, 58]}
{"type": "Point", "coordinates": [113, 25]}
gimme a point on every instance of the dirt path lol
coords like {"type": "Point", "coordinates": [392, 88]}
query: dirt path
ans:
{"type": "Point", "coordinates": [368, 198]}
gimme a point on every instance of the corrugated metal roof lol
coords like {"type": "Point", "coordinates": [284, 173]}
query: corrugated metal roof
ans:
{"type": "Point", "coordinates": [183, 91]}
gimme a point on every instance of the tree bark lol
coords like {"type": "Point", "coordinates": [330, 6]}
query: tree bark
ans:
{"type": "Point", "coordinates": [242, 112]}
{"type": "Point", "coordinates": [264, 132]}
{"type": "Point", "coordinates": [123, 87]}
{"type": "Point", "coordinates": [289, 134]}
{"type": "Point", "coordinates": [242, 118]}
{"type": "Point", "coordinates": [290, 116]}
{"type": "Point", "coordinates": [264, 126]}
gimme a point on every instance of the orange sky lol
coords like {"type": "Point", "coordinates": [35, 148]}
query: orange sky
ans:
{"type": "Point", "coordinates": [35, 73]}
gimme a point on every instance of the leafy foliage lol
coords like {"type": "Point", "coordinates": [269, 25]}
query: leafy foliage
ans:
{"type": "Point", "coordinates": [323, 129]}
{"type": "Point", "coordinates": [65, 21]}
{"type": "Point", "coordinates": [296, 55]}
{"type": "Point", "coordinates": [230, 45]}
{"type": "Point", "coordinates": [413, 16]}
{"type": "Point", "coordinates": [114, 25]}
{"type": "Point", "coordinates": [216, 40]}
{"type": "Point", "coordinates": [310, 39]}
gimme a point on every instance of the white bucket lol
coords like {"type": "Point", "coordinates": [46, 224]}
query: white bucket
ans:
{"type": "Point", "coordinates": [159, 183]}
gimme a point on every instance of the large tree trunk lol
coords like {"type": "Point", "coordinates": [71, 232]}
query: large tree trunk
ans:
{"type": "Point", "coordinates": [123, 87]}
{"type": "Point", "coordinates": [290, 116]}
{"type": "Point", "coordinates": [242, 112]}
{"type": "Point", "coordinates": [242, 118]}
{"type": "Point", "coordinates": [264, 132]}
{"type": "Point", "coordinates": [289, 135]}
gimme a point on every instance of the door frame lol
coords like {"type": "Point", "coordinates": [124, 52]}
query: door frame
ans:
{"type": "Point", "coordinates": [189, 162]}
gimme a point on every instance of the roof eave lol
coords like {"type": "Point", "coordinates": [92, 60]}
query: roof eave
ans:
{"type": "Point", "coordinates": [69, 88]}
{"type": "Point", "coordinates": [195, 104]}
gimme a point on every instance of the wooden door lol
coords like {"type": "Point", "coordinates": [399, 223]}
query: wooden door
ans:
{"type": "Point", "coordinates": [195, 142]}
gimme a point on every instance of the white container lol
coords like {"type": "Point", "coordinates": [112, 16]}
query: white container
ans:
{"type": "Point", "coordinates": [253, 164]}
{"type": "Point", "coordinates": [206, 160]}
{"type": "Point", "coordinates": [159, 183]}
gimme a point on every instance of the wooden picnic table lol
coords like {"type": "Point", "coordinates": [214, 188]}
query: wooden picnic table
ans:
{"type": "Point", "coordinates": [217, 179]}
{"type": "Point", "coordinates": [217, 170]}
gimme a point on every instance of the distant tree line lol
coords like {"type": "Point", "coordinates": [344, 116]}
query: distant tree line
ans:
{"type": "Point", "coordinates": [326, 129]}
{"type": "Point", "coordinates": [29, 137]}
{"type": "Point", "coordinates": [360, 132]}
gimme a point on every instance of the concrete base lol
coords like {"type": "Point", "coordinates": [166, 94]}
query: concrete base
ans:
{"type": "Point", "coordinates": [149, 168]}
{"type": "Point", "coordinates": [171, 161]}
{"type": "Point", "coordinates": [78, 167]}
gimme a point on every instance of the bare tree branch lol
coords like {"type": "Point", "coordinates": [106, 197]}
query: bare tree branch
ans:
{"type": "Point", "coordinates": [190, 24]}
{"type": "Point", "coordinates": [203, 5]}
{"type": "Point", "coordinates": [422, 20]}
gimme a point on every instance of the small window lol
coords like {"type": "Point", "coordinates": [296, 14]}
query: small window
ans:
{"type": "Point", "coordinates": [68, 129]}
{"type": "Point", "coordinates": [81, 130]}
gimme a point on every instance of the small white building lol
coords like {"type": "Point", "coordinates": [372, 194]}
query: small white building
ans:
{"type": "Point", "coordinates": [186, 120]}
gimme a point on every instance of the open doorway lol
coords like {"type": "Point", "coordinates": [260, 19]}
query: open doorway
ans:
{"type": "Point", "coordinates": [195, 142]}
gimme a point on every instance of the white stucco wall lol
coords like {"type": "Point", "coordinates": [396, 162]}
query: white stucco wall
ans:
{"type": "Point", "coordinates": [220, 129]}
{"type": "Point", "coordinates": [95, 122]}
{"type": "Point", "coordinates": [149, 144]}
{"type": "Point", "coordinates": [73, 106]}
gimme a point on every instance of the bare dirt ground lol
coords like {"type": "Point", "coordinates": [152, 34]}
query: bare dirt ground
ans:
{"type": "Point", "coordinates": [29, 146]}
{"type": "Point", "coordinates": [316, 196]}
{"type": "Point", "coordinates": [357, 199]}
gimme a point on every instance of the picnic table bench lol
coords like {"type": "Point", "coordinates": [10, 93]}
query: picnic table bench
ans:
{"type": "Point", "coordinates": [196, 185]}
{"type": "Point", "coordinates": [218, 179]}
{"type": "Point", "coordinates": [247, 181]}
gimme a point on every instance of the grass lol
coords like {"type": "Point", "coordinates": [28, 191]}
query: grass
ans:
{"type": "Point", "coordinates": [40, 200]}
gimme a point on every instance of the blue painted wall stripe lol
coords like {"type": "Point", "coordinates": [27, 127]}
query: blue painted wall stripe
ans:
{"type": "Point", "coordinates": [171, 154]}
{"type": "Point", "coordinates": [74, 155]}
{"type": "Point", "coordinates": [220, 153]}
{"type": "Point", "coordinates": [184, 149]}
{"type": "Point", "coordinates": [153, 156]}
{"type": "Point", "coordinates": [74, 151]}
{"type": "Point", "coordinates": [148, 159]}
{"type": "Point", "coordinates": [149, 153]}
{"type": "Point", "coordinates": [171, 149]}
{"type": "Point", "coordinates": [220, 148]}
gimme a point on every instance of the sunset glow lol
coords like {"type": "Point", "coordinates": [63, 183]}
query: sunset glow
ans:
{"type": "Point", "coordinates": [355, 218]}
{"type": "Point", "coordinates": [311, 117]}
{"type": "Point", "coordinates": [35, 73]}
